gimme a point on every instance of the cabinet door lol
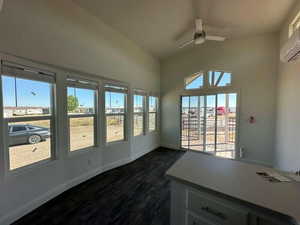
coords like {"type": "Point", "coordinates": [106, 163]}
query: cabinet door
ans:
{"type": "Point", "coordinates": [193, 220]}
{"type": "Point", "coordinates": [262, 221]}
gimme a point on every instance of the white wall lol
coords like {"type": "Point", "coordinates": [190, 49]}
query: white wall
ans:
{"type": "Point", "coordinates": [60, 33]}
{"type": "Point", "coordinates": [253, 63]}
{"type": "Point", "coordinates": [288, 123]}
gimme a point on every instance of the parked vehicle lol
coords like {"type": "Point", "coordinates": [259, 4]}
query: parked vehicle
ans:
{"type": "Point", "coordinates": [221, 110]}
{"type": "Point", "coordinates": [27, 134]}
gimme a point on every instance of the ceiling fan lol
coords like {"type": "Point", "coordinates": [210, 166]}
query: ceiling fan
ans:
{"type": "Point", "coordinates": [200, 36]}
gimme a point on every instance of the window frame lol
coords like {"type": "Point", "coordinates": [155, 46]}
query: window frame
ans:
{"type": "Point", "coordinates": [11, 69]}
{"type": "Point", "coordinates": [294, 25]}
{"type": "Point", "coordinates": [206, 84]}
{"type": "Point", "coordinates": [76, 81]}
{"type": "Point", "coordinates": [200, 73]}
{"type": "Point", "coordinates": [116, 87]}
{"type": "Point", "coordinates": [215, 86]}
{"type": "Point", "coordinates": [156, 113]}
{"type": "Point", "coordinates": [144, 95]}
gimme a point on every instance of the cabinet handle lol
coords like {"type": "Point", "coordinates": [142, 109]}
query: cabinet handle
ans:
{"type": "Point", "coordinates": [214, 213]}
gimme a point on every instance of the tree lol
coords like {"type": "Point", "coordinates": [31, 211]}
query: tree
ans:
{"type": "Point", "coordinates": [72, 103]}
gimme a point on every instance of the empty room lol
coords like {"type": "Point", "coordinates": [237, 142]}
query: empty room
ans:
{"type": "Point", "coordinates": [149, 112]}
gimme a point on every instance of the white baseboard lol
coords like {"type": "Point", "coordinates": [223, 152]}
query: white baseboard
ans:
{"type": "Point", "coordinates": [140, 154]}
{"type": "Point", "coordinates": [35, 203]}
{"type": "Point", "coordinates": [116, 164]}
{"type": "Point", "coordinates": [171, 146]}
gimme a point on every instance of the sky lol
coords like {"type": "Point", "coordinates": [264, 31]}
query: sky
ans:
{"type": "Point", "coordinates": [199, 81]}
{"type": "Point", "coordinates": [114, 100]}
{"type": "Point", "coordinates": [29, 93]}
{"type": "Point", "coordinates": [86, 97]}
{"type": "Point", "coordinates": [38, 94]}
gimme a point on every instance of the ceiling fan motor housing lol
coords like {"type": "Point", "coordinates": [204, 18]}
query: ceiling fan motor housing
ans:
{"type": "Point", "coordinates": [198, 35]}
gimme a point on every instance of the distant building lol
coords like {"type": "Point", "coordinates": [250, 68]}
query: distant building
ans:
{"type": "Point", "coordinates": [23, 111]}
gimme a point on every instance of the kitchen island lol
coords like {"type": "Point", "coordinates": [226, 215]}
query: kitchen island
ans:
{"type": "Point", "coordinates": [207, 190]}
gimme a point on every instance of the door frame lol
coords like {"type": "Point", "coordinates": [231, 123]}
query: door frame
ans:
{"type": "Point", "coordinates": [206, 92]}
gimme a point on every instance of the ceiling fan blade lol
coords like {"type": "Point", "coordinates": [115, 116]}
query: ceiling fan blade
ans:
{"type": "Point", "coordinates": [199, 25]}
{"type": "Point", "coordinates": [214, 38]}
{"type": "Point", "coordinates": [186, 44]}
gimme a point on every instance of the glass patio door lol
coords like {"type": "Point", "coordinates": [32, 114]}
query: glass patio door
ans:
{"type": "Point", "coordinates": [209, 123]}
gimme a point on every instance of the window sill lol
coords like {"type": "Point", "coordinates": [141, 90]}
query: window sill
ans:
{"type": "Point", "coordinates": [140, 135]}
{"type": "Point", "coordinates": [107, 144]}
{"type": "Point", "coordinates": [82, 151]}
{"type": "Point", "coordinates": [29, 168]}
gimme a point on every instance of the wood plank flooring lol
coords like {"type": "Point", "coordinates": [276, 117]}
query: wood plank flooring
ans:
{"type": "Point", "coordinates": [134, 194]}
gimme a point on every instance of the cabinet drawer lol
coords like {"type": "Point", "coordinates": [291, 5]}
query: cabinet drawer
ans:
{"type": "Point", "coordinates": [194, 220]}
{"type": "Point", "coordinates": [216, 210]}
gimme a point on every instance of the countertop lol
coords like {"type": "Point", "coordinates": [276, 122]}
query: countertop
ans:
{"type": "Point", "coordinates": [238, 180]}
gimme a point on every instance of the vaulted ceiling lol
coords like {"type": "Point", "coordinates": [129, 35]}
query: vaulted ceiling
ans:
{"type": "Point", "coordinates": [159, 26]}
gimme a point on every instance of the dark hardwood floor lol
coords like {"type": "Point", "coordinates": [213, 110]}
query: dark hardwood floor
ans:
{"type": "Point", "coordinates": [135, 194]}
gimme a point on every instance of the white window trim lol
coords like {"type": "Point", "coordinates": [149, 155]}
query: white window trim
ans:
{"type": "Point", "coordinates": [52, 118]}
{"type": "Point", "coordinates": [294, 24]}
{"type": "Point", "coordinates": [219, 87]}
{"type": "Point", "coordinates": [156, 114]}
{"type": "Point", "coordinates": [94, 86]}
{"type": "Point", "coordinates": [199, 88]}
{"type": "Point", "coordinates": [144, 94]}
{"type": "Point", "coordinates": [238, 113]}
{"type": "Point", "coordinates": [125, 114]}
{"type": "Point", "coordinates": [206, 84]}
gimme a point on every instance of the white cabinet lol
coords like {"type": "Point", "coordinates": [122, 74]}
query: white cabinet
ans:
{"type": "Point", "coordinates": [190, 206]}
{"type": "Point", "coordinates": [215, 209]}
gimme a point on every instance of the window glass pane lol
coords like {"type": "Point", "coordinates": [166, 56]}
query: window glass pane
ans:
{"type": "Point", "coordinates": [22, 97]}
{"type": "Point", "coordinates": [81, 101]}
{"type": "Point", "coordinates": [138, 120]}
{"type": "Point", "coordinates": [138, 103]}
{"type": "Point", "coordinates": [152, 121]}
{"type": "Point", "coordinates": [225, 80]}
{"type": "Point", "coordinates": [81, 133]}
{"type": "Point", "coordinates": [219, 79]}
{"type": "Point", "coordinates": [194, 82]}
{"type": "Point", "coordinates": [114, 102]}
{"type": "Point", "coordinates": [27, 146]}
{"type": "Point", "coordinates": [138, 125]}
{"type": "Point", "coordinates": [115, 128]}
{"type": "Point", "coordinates": [152, 104]}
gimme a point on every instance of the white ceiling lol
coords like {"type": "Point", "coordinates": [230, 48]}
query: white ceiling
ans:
{"type": "Point", "coordinates": [158, 25]}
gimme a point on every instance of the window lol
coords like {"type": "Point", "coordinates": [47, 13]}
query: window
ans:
{"type": "Point", "coordinates": [81, 104]}
{"type": "Point", "coordinates": [115, 112]}
{"type": "Point", "coordinates": [28, 114]}
{"type": "Point", "coordinates": [138, 114]}
{"type": "Point", "coordinates": [153, 108]}
{"type": "Point", "coordinates": [219, 79]}
{"type": "Point", "coordinates": [209, 123]}
{"type": "Point", "coordinates": [294, 25]}
{"type": "Point", "coordinates": [195, 81]}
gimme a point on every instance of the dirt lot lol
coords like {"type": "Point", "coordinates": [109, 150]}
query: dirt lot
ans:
{"type": "Point", "coordinates": [81, 136]}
